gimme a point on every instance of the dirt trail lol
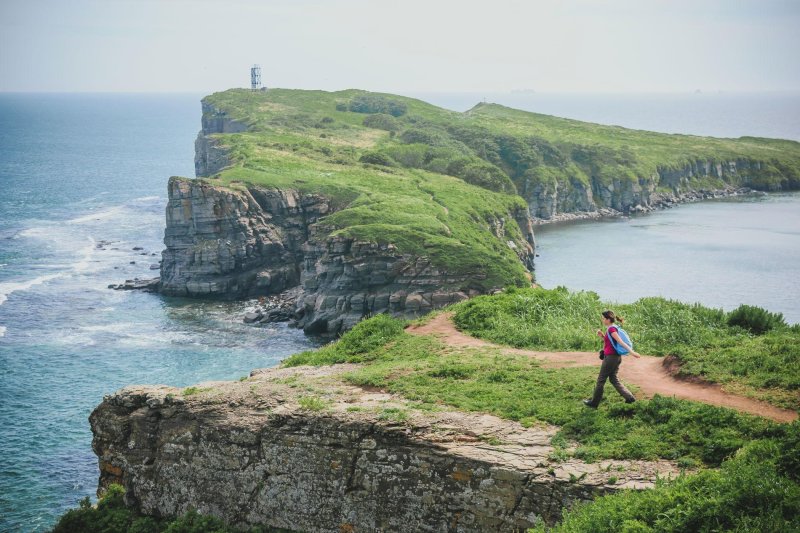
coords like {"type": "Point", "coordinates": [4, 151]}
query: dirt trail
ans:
{"type": "Point", "coordinates": [647, 373]}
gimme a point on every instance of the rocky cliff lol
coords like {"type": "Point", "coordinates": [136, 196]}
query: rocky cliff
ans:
{"type": "Point", "coordinates": [299, 448]}
{"type": "Point", "coordinates": [250, 241]}
{"type": "Point", "coordinates": [699, 180]}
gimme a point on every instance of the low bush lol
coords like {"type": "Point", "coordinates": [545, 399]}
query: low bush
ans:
{"type": "Point", "coordinates": [362, 343]}
{"type": "Point", "coordinates": [382, 121]}
{"type": "Point", "coordinates": [373, 103]}
{"type": "Point", "coordinates": [755, 319]}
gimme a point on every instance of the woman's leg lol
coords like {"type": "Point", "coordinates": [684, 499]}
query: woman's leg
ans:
{"type": "Point", "coordinates": [607, 368]}
{"type": "Point", "coordinates": [624, 392]}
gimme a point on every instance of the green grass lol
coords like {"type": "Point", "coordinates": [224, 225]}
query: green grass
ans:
{"type": "Point", "coordinates": [763, 366]}
{"type": "Point", "coordinates": [755, 491]}
{"type": "Point", "coordinates": [313, 403]}
{"type": "Point", "coordinates": [190, 391]}
{"type": "Point", "coordinates": [450, 186]}
{"type": "Point", "coordinates": [497, 147]}
{"type": "Point", "coordinates": [517, 388]}
{"type": "Point", "coordinates": [112, 516]}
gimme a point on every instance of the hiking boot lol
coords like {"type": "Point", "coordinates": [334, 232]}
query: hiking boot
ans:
{"type": "Point", "coordinates": [588, 403]}
{"type": "Point", "coordinates": [630, 400]}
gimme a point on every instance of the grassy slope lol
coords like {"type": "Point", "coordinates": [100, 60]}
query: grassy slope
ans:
{"type": "Point", "coordinates": [422, 213]}
{"type": "Point", "coordinates": [518, 388]}
{"type": "Point", "coordinates": [433, 181]}
{"type": "Point", "coordinates": [763, 366]}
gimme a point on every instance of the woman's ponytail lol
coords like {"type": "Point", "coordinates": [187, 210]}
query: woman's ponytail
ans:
{"type": "Point", "coordinates": [612, 317]}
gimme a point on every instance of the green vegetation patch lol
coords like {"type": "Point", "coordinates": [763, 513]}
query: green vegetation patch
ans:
{"type": "Point", "coordinates": [112, 516]}
{"type": "Point", "coordinates": [518, 388]}
{"type": "Point", "coordinates": [708, 343]}
{"type": "Point", "coordinates": [755, 491]}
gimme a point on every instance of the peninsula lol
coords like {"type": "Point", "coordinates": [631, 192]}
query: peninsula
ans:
{"type": "Point", "coordinates": [361, 203]}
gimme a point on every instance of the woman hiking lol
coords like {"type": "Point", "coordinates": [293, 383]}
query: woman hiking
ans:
{"type": "Point", "coordinates": [611, 360]}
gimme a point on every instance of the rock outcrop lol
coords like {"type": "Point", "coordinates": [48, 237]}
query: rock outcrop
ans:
{"type": "Point", "coordinates": [237, 243]}
{"type": "Point", "coordinates": [209, 156]}
{"type": "Point", "coordinates": [330, 456]}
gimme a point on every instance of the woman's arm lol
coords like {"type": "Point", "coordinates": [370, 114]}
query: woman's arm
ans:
{"type": "Point", "coordinates": [622, 343]}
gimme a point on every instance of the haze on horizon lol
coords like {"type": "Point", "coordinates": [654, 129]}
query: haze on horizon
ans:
{"type": "Point", "coordinates": [413, 46]}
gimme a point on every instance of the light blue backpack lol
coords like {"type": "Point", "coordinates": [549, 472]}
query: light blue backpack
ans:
{"type": "Point", "coordinates": [625, 337]}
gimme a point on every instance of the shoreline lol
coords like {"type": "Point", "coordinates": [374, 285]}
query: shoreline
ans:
{"type": "Point", "coordinates": [661, 203]}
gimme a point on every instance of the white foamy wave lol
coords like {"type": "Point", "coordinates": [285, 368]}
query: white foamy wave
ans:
{"type": "Point", "coordinates": [35, 231]}
{"type": "Point", "coordinates": [15, 286]}
{"type": "Point", "coordinates": [146, 199]}
{"type": "Point", "coordinates": [82, 265]}
{"type": "Point", "coordinates": [104, 214]}
{"type": "Point", "coordinates": [2, 331]}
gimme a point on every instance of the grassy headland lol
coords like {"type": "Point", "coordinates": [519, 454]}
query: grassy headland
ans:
{"type": "Point", "coordinates": [446, 185]}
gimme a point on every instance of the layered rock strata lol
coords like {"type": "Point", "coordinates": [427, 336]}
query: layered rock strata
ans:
{"type": "Point", "coordinates": [564, 201]}
{"type": "Point", "coordinates": [251, 241]}
{"type": "Point", "coordinates": [329, 456]}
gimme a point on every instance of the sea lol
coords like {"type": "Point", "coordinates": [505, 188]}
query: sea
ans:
{"type": "Point", "coordinates": [83, 183]}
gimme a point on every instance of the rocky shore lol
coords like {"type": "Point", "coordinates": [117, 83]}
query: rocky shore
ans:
{"type": "Point", "coordinates": [657, 202]}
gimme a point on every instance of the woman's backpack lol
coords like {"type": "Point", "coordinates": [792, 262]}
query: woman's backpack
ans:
{"type": "Point", "coordinates": [625, 337]}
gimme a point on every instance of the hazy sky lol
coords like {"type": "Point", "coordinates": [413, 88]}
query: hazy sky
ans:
{"type": "Point", "coordinates": [400, 45]}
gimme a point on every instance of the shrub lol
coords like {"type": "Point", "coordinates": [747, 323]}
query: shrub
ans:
{"type": "Point", "coordinates": [377, 158]}
{"type": "Point", "coordinates": [372, 103]}
{"type": "Point", "coordinates": [362, 343]}
{"type": "Point", "coordinates": [755, 319]}
{"type": "Point", "coordinates": [381, 121]}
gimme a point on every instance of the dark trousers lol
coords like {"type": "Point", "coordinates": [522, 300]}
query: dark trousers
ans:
{"type": "Point", "coordinates": [608, 371]}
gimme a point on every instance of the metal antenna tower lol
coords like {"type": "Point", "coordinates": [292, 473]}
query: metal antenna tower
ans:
{"type": "Point", "coordinates": [255, 78]}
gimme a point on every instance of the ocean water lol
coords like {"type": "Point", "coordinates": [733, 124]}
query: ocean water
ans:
{"type": "Point", "coordinates": [83, 181]}
{"type": "Point", "coordinates": [721, 253]}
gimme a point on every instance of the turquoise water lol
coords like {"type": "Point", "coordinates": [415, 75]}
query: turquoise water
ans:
{"type": "Point", "coordinates": [77, 171]}
{"type": "Point", "coordinates": [721, 253]}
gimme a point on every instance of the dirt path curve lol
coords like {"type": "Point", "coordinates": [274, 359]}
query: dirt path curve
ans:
{"type": "Point", "coordinates": [646, 373]}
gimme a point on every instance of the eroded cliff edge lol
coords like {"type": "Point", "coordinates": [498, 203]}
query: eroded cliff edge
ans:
{"type": "Point", "coordinates": [251, 241]}
{"type": "Point", "coordinates": [331, 456]}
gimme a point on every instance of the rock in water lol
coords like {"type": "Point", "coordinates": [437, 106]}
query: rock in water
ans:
{"type": "Point", "coordinates": [251, 317]}
{"type": "Point", "coordinates": [147, 285]}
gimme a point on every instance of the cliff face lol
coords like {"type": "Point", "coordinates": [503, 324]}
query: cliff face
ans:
{"type": "Point", "coordinates": [229, 243]}
{"type": "Point", "coordinates": [575, 198]}
{"type": "Point", "coordinates": [209, 157]}
{"type": "Point", "coordinates": [250, 453]}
